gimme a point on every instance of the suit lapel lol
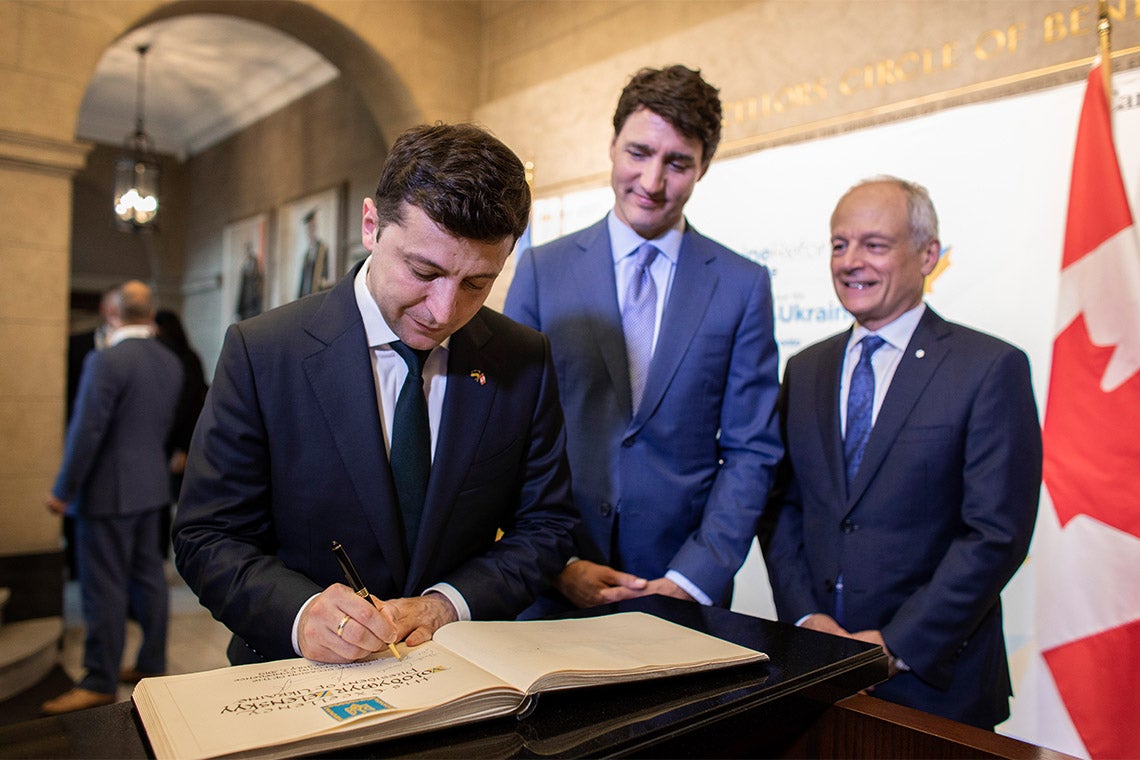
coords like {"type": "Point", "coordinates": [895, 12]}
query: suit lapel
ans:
{"type": "Point", "coordinates": [597, 294]}
{"type": "Point", "coordinates": [693, 285]}
{"type": "Point", "coordinates": [827, 381]}
{"type": "Point", "coordinates": [472, 384]}
{"type": "Point", "coordinates": [340, 375]}
{"type": "Point", "coordinates": [920, 360]}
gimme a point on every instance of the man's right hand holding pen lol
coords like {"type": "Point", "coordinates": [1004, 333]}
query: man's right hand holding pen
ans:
{"type": "Point", "coordinates": [368, 626]}
{"type": "Point", "coordinates": [364, 624]}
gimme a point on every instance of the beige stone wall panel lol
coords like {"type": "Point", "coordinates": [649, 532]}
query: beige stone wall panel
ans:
{"type": "Point", "coordinates": [32, 440]}
{"type": "Point", "coordinates": [787, 71]}
{"type": "Point", "coordinates": [61, 42]}
{"type": "Point", "coordinates": [525, 41]}
{"type": "Point", "coordinates": [25, 525]}
{"type": "Point", "coordinates": [36, 211]}
{"type": "Point", "coordinates": [441, 62]}
{"type": "Point", "coordinates": [28, 372]}
{"type": "Point", "coordinates": [34, 286]}
{"type": "Point", "coordinates": [56, 48]}
{"type": "Point", "coordinates": [9, 34]}
{"type": "Point", "coordinates": [37, 105]}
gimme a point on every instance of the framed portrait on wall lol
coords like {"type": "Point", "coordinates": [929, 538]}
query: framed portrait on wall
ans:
{"type": "Point", "coordinates": [244, 285]}
{"type": "Point", "coordinates": [308, 242]}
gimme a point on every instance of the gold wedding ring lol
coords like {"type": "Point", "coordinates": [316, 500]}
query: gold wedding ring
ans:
{"type": "Point", "coordinates": [340, 628]}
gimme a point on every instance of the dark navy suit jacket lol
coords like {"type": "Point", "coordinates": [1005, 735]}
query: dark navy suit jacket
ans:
{"type": "Point", "coordinates": [288, 455]}
{"type": "Point", "coordinates": [936, 522]}
{"type": "Point", "coordinates": [689, 473]}
{"type": "Point", "coordinates": [114, 462]}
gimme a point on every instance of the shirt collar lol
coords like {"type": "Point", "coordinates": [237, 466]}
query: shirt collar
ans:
{"type": "Point", "coordinates": [376, 330]}
{"type": "Point", "coordinates": [119, 334]}
{"type": "Point", "coordinates": [897, 333]}
{"type": "Point", "coordinates": [624, 241]}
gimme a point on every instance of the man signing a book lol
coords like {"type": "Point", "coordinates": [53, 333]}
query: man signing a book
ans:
{"type": "Point", "coordinates": [393, 414]}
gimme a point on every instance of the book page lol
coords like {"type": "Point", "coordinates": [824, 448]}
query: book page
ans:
{"type": "Point", "coordinates": [229, 710]}
{"type": "Point", "coordinates": [538, 655]}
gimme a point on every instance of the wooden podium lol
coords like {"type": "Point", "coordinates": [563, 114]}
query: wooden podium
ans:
{"type": "Point", "coordinates": [783, 708]}
{"type": "Point", "coordinates": [864, 727]}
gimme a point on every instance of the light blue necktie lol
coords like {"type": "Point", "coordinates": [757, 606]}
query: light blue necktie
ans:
{"type": "Point", "coordinates": [638, 318]}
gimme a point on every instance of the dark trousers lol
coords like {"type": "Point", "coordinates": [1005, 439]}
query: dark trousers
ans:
{"type": "Point", "coordinates": [121, 570]}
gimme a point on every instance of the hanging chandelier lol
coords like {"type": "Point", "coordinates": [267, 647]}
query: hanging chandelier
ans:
{"type": "Point", "coordinates": [136, 173]}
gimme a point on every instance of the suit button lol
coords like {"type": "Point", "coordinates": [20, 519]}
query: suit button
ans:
{"type": "Point", "coordinates": [847, 526]}
{"type": "Point", "coordinates": [606, 509]}
{"type": "Point", "coordinates": [828, 585]}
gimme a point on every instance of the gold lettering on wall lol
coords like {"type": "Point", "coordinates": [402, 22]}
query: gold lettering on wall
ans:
{"type": "Point", "coordinates": [1075, 22]}
{"type": "Point", "coordinates": [907, 66]}
{"type": "Point", "coordinates": [998, 43]}
{"type": "Point", "coordinates": [1118, 9]}
{"type": "Point", "coordinates": [784, 99]}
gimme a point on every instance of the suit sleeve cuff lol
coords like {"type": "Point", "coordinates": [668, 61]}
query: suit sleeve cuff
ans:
{"type": "Point", "coordinates": [297, 622]}
{"type": "Point", "coordinates": [689, 587]}
{"type": "Point", "coordinates": [452, 595]}
{"type": "Point", "coordinates": [897, 661]}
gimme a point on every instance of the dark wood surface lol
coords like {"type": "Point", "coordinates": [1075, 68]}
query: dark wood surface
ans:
{"type": "Point", "coordinates": [753, 710]}
{"type": "Point", "coordinates": [864, 727]}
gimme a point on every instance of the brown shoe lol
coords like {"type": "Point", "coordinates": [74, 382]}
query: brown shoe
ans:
{"type": "Point", "coordinates": [134, 675]}
{"type": "Point", "coordinates": [76, 699]}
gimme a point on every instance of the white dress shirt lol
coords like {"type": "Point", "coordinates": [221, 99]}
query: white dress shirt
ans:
{"type": "Point", "coordinates": [884, 361]}
{"type": "Point", "coordinates": [119, 334]}
{"type": "Point", "coordinates": [389, 370]}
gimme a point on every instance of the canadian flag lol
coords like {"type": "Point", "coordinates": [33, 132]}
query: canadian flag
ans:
{"type": "Point", "coordinates": [1087, 546]}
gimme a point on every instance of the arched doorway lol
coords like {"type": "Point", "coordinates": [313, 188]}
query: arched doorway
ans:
{"type": "Point", "coordinates": [39, 157]}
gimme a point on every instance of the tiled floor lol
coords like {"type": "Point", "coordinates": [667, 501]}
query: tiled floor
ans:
{"type": "Point", "coordinates": [195, 641]}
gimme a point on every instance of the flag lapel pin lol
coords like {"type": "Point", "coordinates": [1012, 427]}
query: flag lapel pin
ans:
{"type": "Point", "coordinates": [478, 376]}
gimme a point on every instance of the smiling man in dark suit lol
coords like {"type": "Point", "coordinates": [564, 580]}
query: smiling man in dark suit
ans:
{"type": "Point", "coordinates": [663, 343]}
{"type": "Point", "coordinates": [304, 440]}
{"type": "Point", "coordinates": [913, 469]}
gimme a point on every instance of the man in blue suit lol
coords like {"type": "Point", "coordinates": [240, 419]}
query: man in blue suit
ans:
{"type": "Point", "coordinates": [666, 359]}
{"type": "Point", "coordinates": [114, 481]}
{"type": "Point", "coordinates": [303, 440]}
{"type": "Point", "coordinates": [913, 469]}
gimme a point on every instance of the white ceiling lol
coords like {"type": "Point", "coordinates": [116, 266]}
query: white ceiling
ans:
{"type": "Point", "coordinates": [207, 77]}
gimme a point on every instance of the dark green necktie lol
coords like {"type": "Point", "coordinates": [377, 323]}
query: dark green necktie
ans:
{"type": "Point", "coordinates": [411, 442]}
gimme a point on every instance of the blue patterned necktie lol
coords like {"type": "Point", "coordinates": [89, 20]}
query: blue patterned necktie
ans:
{"type": "Point", "coordinates": [411, 442]}
{"type": "Point", "coordinates": [860, 400]}
{"type": "Point", "coordinates": [638, 318]}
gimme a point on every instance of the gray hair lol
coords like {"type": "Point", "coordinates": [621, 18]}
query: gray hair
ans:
{"type": "Point", "coordinates": [923, 220]}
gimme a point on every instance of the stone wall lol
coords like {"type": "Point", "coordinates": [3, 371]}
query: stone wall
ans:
{"type": "Point", "coordinates": [786, 70]}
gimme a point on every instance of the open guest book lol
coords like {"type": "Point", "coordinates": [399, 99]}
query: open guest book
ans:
{"type": "Point", "coordinates": [471, 671]}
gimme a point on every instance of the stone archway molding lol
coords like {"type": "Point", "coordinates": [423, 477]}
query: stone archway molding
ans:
{"type": "Point", "coordinates": [382, 89]}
